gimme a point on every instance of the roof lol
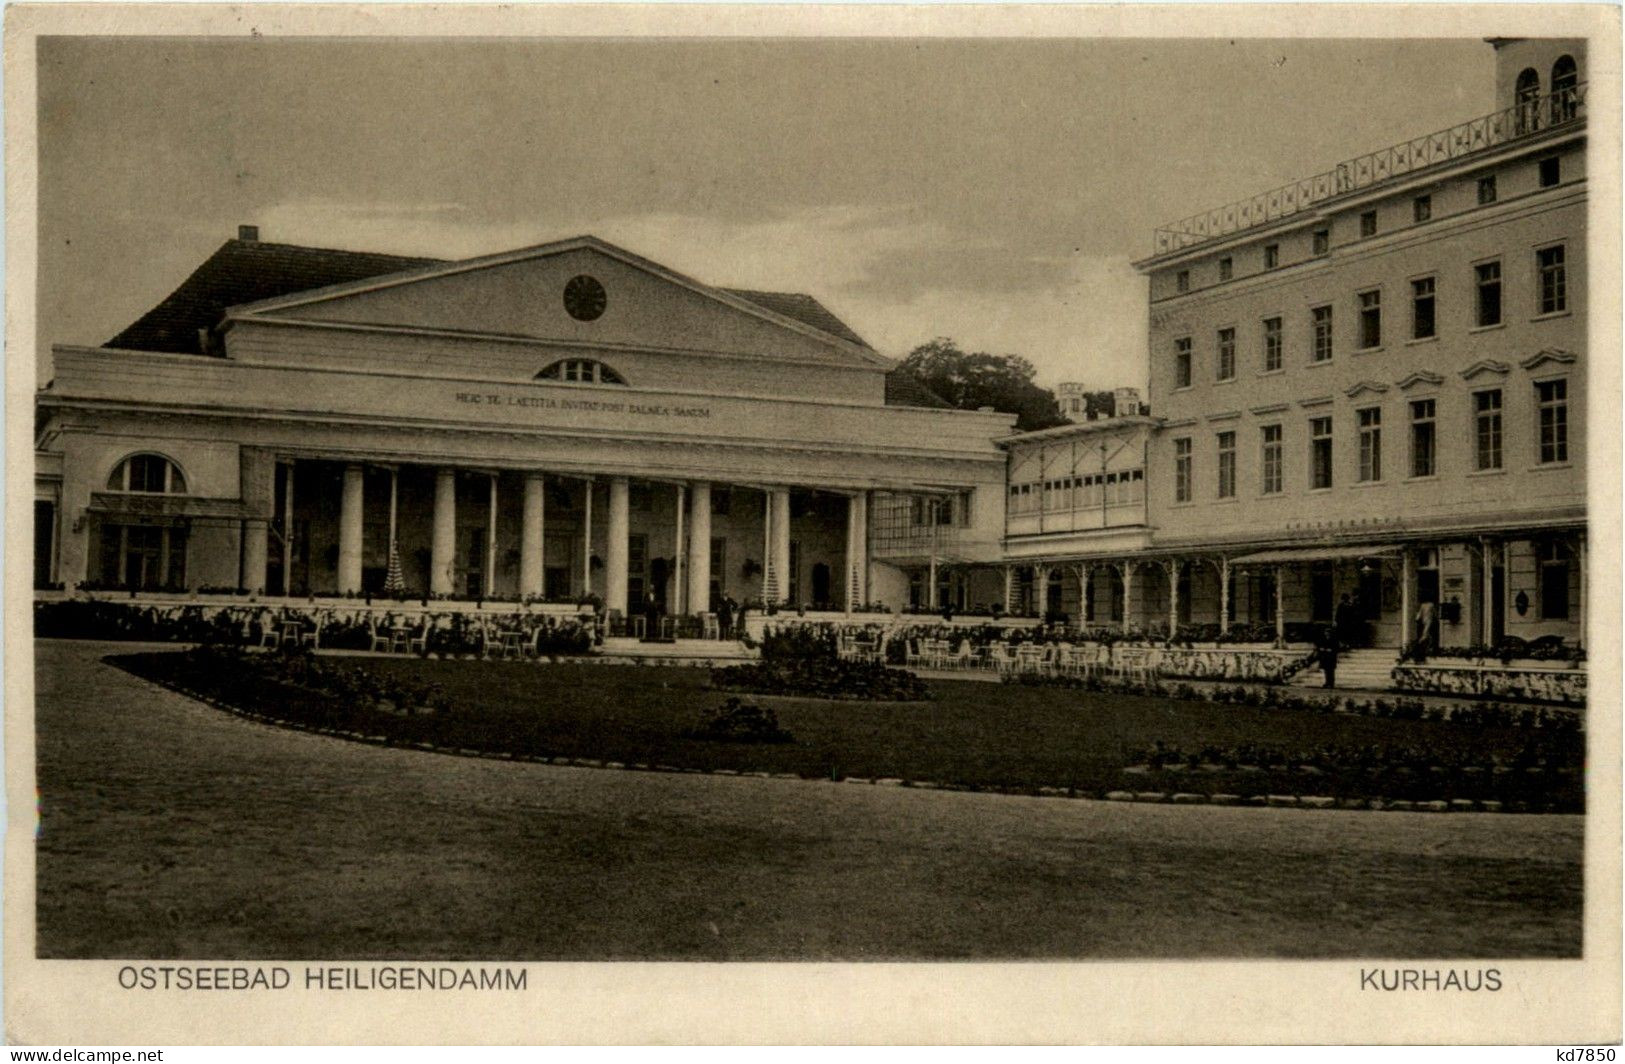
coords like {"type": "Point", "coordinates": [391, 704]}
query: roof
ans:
{"type": "Point", "coordinates": [903, 388]}
{"type": "Point", "coordinates": [249, 271]}
{"type": "Point", "coordinates": [246, 271]}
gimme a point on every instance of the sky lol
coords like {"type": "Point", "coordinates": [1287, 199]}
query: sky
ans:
{"type": "Point", "coordinates": [994, 192]}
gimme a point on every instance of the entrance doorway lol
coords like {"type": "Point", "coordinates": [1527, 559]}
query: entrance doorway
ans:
{"type": "Point", "coordinates": [820, 585]}
{"type": "Point", "coordinates": [1498, 605]}
{"type": "Point", "coordinates": [1322, 594]}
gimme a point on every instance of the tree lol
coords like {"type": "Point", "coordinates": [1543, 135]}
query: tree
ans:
{"type": "Point", "coordinates": [969, 380]}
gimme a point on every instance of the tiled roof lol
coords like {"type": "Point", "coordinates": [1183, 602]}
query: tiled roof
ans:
{"type": "Point", "coordinates": [804, 309]}
{"type": "Point", "coordinates": [246, 271]}
{"type": "Point", "coordinates": [903, 388]}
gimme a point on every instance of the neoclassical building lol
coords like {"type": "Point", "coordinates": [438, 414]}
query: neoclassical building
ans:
{"type": "Point", "coordinates": [553, 422]}
{"type": "Point", "coordinates": [1372, 382]}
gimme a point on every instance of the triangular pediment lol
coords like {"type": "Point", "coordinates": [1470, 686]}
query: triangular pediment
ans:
{"type": "Point", "coordinates": [1418, 379]}
{"type": "Point", "coordinates": [1363, 387]}
{"type": "Point", "coordinates": [1550, 354]}
{"type": "Point", "coordinates": [1483, 366]}
{"type": "Point", "coordinates": [581, 291]}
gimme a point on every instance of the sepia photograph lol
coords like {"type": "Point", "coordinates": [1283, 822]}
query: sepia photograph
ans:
{"type": "Point", "coordinates": [813, 497]}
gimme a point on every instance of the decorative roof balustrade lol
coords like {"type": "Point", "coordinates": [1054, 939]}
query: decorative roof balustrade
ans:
{"type": "Point", "coordinates": [1526, 118]}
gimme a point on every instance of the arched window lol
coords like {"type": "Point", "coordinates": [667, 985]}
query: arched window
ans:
{"type": "Point", "coordinates": [1565, 89]}
{"type": "Point", "coordinates": [148, 473]}
{"type": "Point", "coordinates": [1527, 100]}
{"type": "Point", "coordinates": [580, 370]}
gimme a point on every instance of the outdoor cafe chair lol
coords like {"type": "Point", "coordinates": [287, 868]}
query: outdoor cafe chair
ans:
{"type": "Point", "coordinates": [419, 643]}
{"type": "Point", "coordinates": [710, 628]}
{"type": "Point", "coordinates": [1029, 658]}
{"type": "Point", "coordinates": [378, 638]}
{"type": "Point", "coordinates": [312, 637]}
{"type": "Point", "coordinates": [270, 636]}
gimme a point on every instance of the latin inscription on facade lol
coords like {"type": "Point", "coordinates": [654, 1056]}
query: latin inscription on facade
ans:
{"type": "Point", "coordinates": [638, 410]}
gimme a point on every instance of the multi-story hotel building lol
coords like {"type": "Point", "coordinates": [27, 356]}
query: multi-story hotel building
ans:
{"type": "Point", "coordinates": [556, 422]}
{"type": "Point", "coordinates": [1371, 382]}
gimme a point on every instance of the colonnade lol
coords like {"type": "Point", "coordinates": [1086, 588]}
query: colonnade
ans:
{"type": "Point", "coordinates": [690, 549]}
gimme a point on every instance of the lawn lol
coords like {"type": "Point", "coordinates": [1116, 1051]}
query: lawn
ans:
{"type": "Point", "coordinates": [169, 829]}
{"type": "Point", "coordinates": [970, 734]}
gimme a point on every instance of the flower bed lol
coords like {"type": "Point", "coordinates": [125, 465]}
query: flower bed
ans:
{"type": "Point", "coordinates": [1559, 686]}
{"type": "Point", "coordinates": [802, 660]}
{"type": "Point", "coordinates": [1485, 714]}
{"type": "Point", "coordinates": [1545, 774]}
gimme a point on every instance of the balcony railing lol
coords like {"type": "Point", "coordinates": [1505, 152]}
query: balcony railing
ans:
{"type": "Point", "coordinates": [1534, 115]}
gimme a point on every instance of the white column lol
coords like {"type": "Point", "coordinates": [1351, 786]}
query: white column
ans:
{"type": "Point", "coordinates": [586, 538]}
{"type": "Point", "coordinates": [1128, 593]}
{"type": "Point", "coordinates": [531, 533]}
{"type": "Point", "coordinates": [1224, 595]}
{"type": "Point", "coordinates": [350, 531]}
{"type": "Point", "coordinates": [1585, 587]}
{"type": "Point", "coordinates": [931, 584]}
{"type": "Point", "coordinates": [699, 548]}
{"type": "Point", "coordinates": [1484, 603]}
{"type": "Point", "coordinates": [287, 529]}
{"type": "Point", "coordinates": [443, 542]}
{"type": "Point", "coordinates": [857, 549]}
{"type": "Point", "coordinates": [1085, 575]}
{"type": "Point", "coordinates": [1173, 568]}
{"type": "Point", "coordinates": [781, 541]}
{"type": "Point", "coordinates": [491, 541]}
{"type": "Point", "coordinates": [616, 534]}
{"type": "Point", "coordinates": [1407, 602]}
{"type": "Point", "coordinates": [1280, 611]}
{"type": "Point", "coordinates": [1010, 589]}
{"type": "Point", "coordinates": [679, 586]}
{"type": "Point", "coordinates": [254, 554]}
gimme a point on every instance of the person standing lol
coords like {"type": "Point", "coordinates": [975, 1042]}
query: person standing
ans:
{"type": "Point", "coordinates": [1426, 621]}
{"type": "Point", "coordinates": [1344, 618]}
{"type": "Point", "coordinates": [725, 617]}
{"type": "Point", "coordinates": [1326, 653]}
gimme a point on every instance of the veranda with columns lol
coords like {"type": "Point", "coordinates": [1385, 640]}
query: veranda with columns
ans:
{"type": "Point", "coordinates": [482, 533]}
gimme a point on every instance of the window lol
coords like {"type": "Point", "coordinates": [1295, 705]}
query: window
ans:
{"type": "Point", "coordinates": [1227, 354]}
{"type": "Point", "coordinates": [1227, 465]}
{"type": "Point", "coordinates": [1487, 427]}
{"type": "Point", "coordinates": [1371, 318]}
{"type": "Point", "coordinates": [1368, 224]}
{"type": "Point", "coordinates": [581, 371]}
{"type": "Point", "coordinates": [1322, 321]}
{"type": "Point", "coordinates": [1226, 268]}
{"type": "Point", "coordinates": [1322, 241]}
{"type": "Point", "coordinates": [147, 473]}
{"type": "Point", "coordinates": [1320, 452]}
{"type": "Point", "coordinates": [1271, 465]}
{"type": "Point", "coordinates": [1551, 171]}
{"type": "Point", "coordinates": [1553, 557]}
{"type": "Point", "coordinates": [1423, 437]}
{"type": "Point", "coordinates": [1488, 276]}
{"type": "Point", "coordinates": [1421, 208]}
{"type": "Point", "coordinates": [1552, 399]}
{"type": "Point", "coordinates": [1565, 89]}
{"type": "Point", "coordinates": [1422, 322]}
{"type": "Point", "coordinates": [1272, 256]}
{"type": "Point", "coordinates": [1553, 282]}
{"type": "Point", "coordinates": [1486, 189]}
{"type": "Point", "coordinates": [1370, 444]}
{"type": "Point", "coordinates": [1182, 469]}
{"type": "Point", "coordinates": [1182, 281]}
{"type": "Point", "coordinates": [1182, 362]}
{"type": "Point", "coordinates": [1272, 344]}
{"type": "Point", "coordinates": [719, 565]}
{"type": "Point", "coordinates": [1527, 96]}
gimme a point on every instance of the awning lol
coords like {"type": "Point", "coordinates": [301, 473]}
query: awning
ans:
{"type": "Point", "coordinates": [1315, 554]}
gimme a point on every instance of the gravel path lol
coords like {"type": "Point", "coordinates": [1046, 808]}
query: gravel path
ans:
{"type": "Point", "coordinates": [171, 829]}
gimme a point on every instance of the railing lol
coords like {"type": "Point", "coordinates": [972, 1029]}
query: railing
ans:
{"type": "Point", "coordinates": [1525, 118]}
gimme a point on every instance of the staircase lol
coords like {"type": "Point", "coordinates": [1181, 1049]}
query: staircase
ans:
{"type": "Point", "coordinates": [1367, 669]}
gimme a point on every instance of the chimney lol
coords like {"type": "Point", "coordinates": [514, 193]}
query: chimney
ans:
{"type": "Point", "coordinates": [248, 232]}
